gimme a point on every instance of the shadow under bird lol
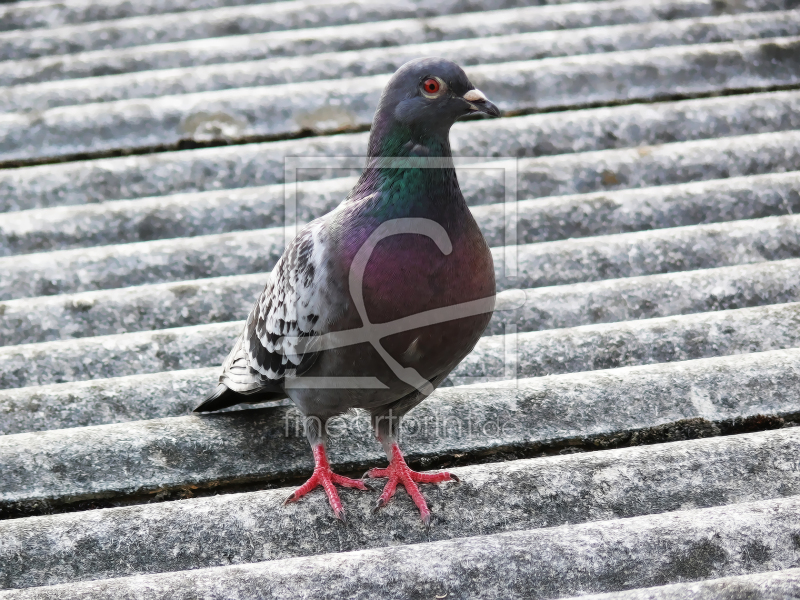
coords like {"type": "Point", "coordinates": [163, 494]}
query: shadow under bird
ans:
{"type": "Point", "coordinates": [372, 305]}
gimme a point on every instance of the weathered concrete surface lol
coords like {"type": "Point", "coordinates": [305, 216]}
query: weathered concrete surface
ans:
{"type": "Point", "coordinates": [567, 350]}
{"type": "Point", "coordinates": [601, 408]}
{"type": "Point", "coordinates": [109, 267]}
{"type": "Point", "coordinates": [224, 21]}
{"type": "Point", "coordinates": [540, 563]}
{"type": "Point", "coordinates": [492, 498]}
{"type": "Point", "coordinates": [377, 61]}
{"type": "Point", "coordinates": [117, 355]}
{"type": "Point", "coordinates": [258, 46]}
{"type": "Point", "coordinates": [159, 306]}
{"type": "Point", "coordinates": [332, 106]}
{"type": "Point", "coordinates": [163, 306]}
{"type": "Point", "coordinates": [169, 393]}
{"type": "Point", "coordinates": [539, 220]}
{"type": "Point", "coordinates": [102, 401]}
{"type": "Point", "coordinates": [774, 585]}
{"type": "Point", "coordinates": [228, 21]}
{"type": "Point", "coordinates": [645, 166]}
{"type": "Point", "coordinates": [34, 14]}
{"type": "Point", "coordinates": [651, 296]}
{"type": "Point", "coordinates": [541, 264]}
{"type": "Point", "coordinates": [651, 252]}
{"type": "Point", "coordinates": [648, 341]}
{"type": "Point", "coordinates": [535, 135]}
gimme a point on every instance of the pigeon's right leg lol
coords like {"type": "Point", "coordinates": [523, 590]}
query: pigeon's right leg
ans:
{"type": "Point", "coordinates": [323, 476]}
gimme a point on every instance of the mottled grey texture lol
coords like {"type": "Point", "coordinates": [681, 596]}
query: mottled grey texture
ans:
{"type": "Point", "coordinates": [773, 585]}
{"type": "Point", "coordinates": [565, 350]}
{"type": "Point", "coordinates": [541, 264]}
{"type": "Point", "coordinates": [109, 267]}
{"type": "Point", "coordinates": [33, 14]}
{"type": "Point", "coordinates": [237, 48]}
{"type": "Point", "coordinates": [650, 252]}
{"type": "Point", "coordinates": [218, 22]}
{"type": "Point", "coordinates": [117, 355]}
{"type": "Point", "coordinates": [163, 306]}
{"type": "Point", "coordinates": [342, 65]}
{"type": "Point", "coordinates": [262, 164]}
{"type": "Point", "coordinates": [331, 106]}
{"type": "Point", "coordinates": [493, 498]}
{"type": "Point", "coordinates": [158, 306]}
{"type": "Point", "coordinates": [165, 217]}
{"type": "Point", "coordinates": [643, 166]}
{"type": "Point", "coordinates": [604, 213]}
{"type": "Point", "coordinates": [103, 401]}
{"type": "Point", "coordinates": [70, 465]}
{"type": "Point", "coordinates": [542, 219]}
{"type": "Point", "coordinates": [649, 296]}
{"type": "Point", "coordinates": [172, 393]}
{"type": "Point", "coordinates": [649, 341]}
{"type": "Point", "coordinates": [539, 563]}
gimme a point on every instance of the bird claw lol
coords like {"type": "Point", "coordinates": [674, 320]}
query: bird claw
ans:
{"type": "Point", "coordinates": [328, 480]}
{"type": "Point", "coordinates": [426, 521]}
{"type": "Point", "coordinates": [399, 472]}
{"type": "Point", "coordinates": [379, 505]}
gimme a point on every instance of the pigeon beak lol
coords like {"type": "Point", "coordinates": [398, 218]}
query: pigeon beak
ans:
{"type": "Point", "coordinates": [478, 102]}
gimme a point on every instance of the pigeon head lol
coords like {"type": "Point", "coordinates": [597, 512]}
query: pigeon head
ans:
{"type": "Point", "coordinates": [419, 105]}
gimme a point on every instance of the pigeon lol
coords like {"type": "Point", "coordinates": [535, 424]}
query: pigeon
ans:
{"type": "Point", "coordinates": [373, 304]}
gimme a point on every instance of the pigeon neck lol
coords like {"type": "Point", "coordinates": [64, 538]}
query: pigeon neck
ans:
{"type": "Point", "coordinates": [412, 174]}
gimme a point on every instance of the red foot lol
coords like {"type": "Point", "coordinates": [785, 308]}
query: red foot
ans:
{"type": "Point", "coordinates": [326, 478]}
{"type": "Point", "coordinates": [399, 472]}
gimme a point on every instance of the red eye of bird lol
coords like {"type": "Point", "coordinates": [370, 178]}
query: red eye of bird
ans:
{"type": "Point", "coordinates": [431, 86]}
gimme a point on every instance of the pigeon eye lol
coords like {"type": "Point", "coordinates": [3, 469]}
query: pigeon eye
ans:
{"type": "Point", "coordinates": [431, 86]}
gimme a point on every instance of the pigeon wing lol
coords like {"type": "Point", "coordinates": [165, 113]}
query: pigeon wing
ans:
{"type": "Point", "coordinates": [288, 310]}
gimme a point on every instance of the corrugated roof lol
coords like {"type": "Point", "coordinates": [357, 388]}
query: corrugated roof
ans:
{"type": "Point", "coordinates": [628, 419]}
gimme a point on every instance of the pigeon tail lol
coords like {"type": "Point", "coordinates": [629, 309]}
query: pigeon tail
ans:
{"type": "Point", "coordinates": [223, 397]}
{"type": "Point", "coordinates": [220, 398]}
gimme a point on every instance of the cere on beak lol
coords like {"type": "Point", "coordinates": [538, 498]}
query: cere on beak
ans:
{"type": "Point", "coordinates": [480, 103]}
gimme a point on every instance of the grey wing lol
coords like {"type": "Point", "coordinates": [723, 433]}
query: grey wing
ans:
{"type": "Point", "coordinates": [287, 310]}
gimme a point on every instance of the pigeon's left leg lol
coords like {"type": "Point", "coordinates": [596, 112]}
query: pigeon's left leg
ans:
{"type": "Point", "coordinates": [323, 475]}
{"type": "Point", "coordinates": [399, 472]}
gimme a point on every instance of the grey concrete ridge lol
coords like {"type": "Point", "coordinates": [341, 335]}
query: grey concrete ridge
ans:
{"type": "Point", "coordinates": [542, 219]}
{"type": "Point", "coordinates": [602, 408]}
{"type": "Point", "coordinates": [773, 585]}
{"type": "Point", "coordinates": [34, 14]}
{"type": "Point", "coordinates": [254, 527]}
{"type": "Point", "coordinates": [104, 401]}
{"type": "Point", "coordinates": [541, 563]}
{"type": "Point", "coordinates": [540, 264]}
{"type": "Point", "coordinates": [226, 21]}
{"type": "Point", "coordinates": [259, 46]}
{"type": "Point", "coordinates": [527, 354]}
{"type": "Point", "coordinates": [564, 350]}
{"type": "Point", "coordinates": [341, 65]}
{"type": "Point", "coordinates": [108, 267]}
{"type": "Point", "coordinates": [157, 306]}
{"type": "Point", "coordinates": [535, 135]}
{"type": "Point", "coordinates": [117, 355]}
{"type": "Point", "coordinates": [286, 110]}
{"type": "Point", "coordinates": [646, 166]}
{"type": "Point", "coordinates": [205, 301]}
{"type": "Point", "coordinates": [250, 208]}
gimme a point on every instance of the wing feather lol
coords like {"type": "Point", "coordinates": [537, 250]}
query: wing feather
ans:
{"type": "Point", "coordinates": [288, 309]}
